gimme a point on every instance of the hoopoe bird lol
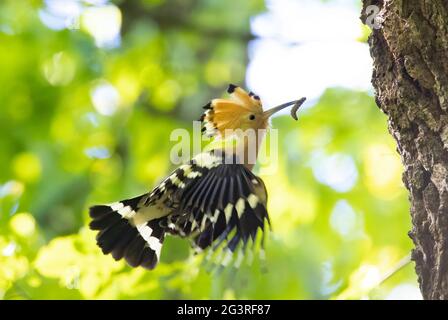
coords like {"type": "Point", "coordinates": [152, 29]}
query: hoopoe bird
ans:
{"type": "Point", "coordinates": [214, 202]}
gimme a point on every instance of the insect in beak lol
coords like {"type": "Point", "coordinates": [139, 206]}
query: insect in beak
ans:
{"type": "Point", "coordinates": [296, 103]}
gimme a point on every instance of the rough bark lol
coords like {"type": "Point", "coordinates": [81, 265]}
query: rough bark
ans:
{"type": "Point", "coordinates": [410, 60]}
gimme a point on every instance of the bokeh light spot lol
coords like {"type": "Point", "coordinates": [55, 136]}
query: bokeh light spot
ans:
{"type": "Point", "coordinates": [97, 152]}
{"type": "Point", "coordinates": [23, 224]}
{"type": "Point", "coordinates": [105, 98]}
{"type": "Point", "coordinates": [13, 188]}
{"type": "Point", "coordinates": [344, 219]}
{"type": "Point", "coordinates": [103, 24]}
{"type": "Point", "coordinates": [27, 167]}
{"type": "Point", "coordinates": [383, 171]}
{"type": "Point", "coordinates": [60, 69]}
{"type": "Point", "coordinates": [337, 171]}
{"type": "Point", "coordinates": [405, 291]}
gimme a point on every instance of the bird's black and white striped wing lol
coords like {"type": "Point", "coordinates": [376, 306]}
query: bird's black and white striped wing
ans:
{"type": "Point", "coordinates": [225, 208]}
{"type": "Point", "coordinates": [134, 229]}
{"type": "Point", "coordinates": [139, 241]}
{"type": "Point", "coordinates": [206, 200]}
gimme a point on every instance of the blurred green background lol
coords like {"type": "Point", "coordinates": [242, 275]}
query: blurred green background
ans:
{"type": "Point", "coordinates": [87, 105]}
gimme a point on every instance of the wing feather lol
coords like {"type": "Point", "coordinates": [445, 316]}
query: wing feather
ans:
{"type": "Point", "coordinates": [227, 204]}
{"type": "Point", "coordinates": [219, 206]}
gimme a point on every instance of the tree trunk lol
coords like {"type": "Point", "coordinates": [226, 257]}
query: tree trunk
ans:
{"type": "Point", "coordinates": [409, 48]}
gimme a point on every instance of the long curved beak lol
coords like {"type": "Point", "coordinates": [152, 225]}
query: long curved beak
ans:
{"type": "Point", "coordinates": [296, 103]}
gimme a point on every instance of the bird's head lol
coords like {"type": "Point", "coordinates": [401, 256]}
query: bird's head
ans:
{"type": "Point", "coordinates": [243, 111]}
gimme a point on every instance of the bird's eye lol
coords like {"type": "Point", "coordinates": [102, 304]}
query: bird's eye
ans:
{"type": "Point", "coordinates": [251, 117]}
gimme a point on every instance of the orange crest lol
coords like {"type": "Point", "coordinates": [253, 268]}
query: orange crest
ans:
{"type": "Point", "coordinates": [242, 111]}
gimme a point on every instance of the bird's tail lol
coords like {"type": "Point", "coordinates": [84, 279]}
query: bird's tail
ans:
{"type": "Point", "coordinates": [139, 245]}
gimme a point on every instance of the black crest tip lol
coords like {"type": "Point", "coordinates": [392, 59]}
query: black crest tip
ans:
{"type": "Point", "coordinates": [231, 88]}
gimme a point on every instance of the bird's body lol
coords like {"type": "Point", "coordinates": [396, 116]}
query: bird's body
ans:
{"type": "Point", "coordinates": [215, 199]}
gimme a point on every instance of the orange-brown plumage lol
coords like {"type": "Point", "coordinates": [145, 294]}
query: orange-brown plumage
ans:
{"type": "Point", "coordinates": [241, 112]}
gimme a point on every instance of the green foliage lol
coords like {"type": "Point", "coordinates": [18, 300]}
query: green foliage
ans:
{"type": "Point", "coordinates": [61, 152]}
